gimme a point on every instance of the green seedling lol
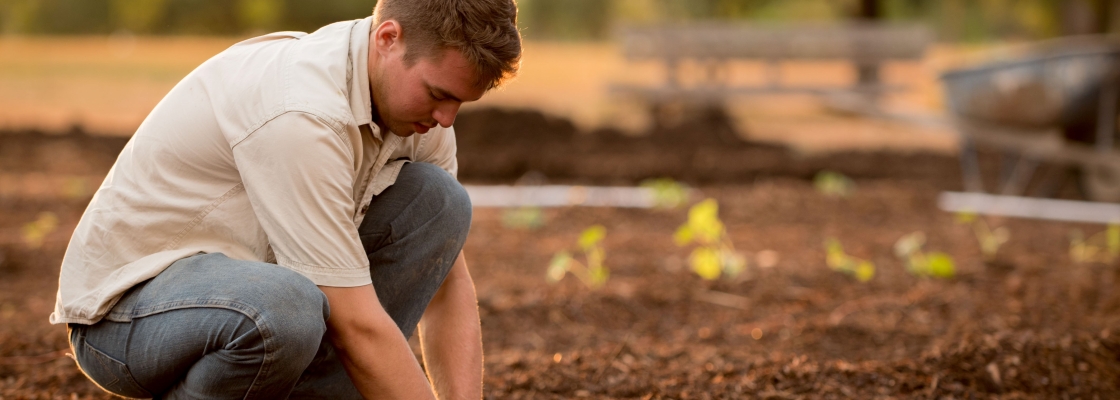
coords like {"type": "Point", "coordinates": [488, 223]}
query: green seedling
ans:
{"type": "Point", "coordinates": [36, 231]}
{"type": "Point", "coordinates": [667, 193]}
{"type": "Point", "coordinates": [593, 274]}
{"type": "Point", "coordinates": [921, 263]}
{"type": "Point", "coordinates": [989, 239]}
{"type": "Point", "coordinates": [523, 218]}
{"type": "Point", "coordinates": [834, 184]}
{"type": "Point", "coordinates": [714, 254]}
{"type": "Point", "coordinates": [840, 261]}
{"type": "Point", "coordinates": [1103, 247]}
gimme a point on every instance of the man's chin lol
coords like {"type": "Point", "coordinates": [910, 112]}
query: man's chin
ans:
{"type": "Point", "coordinates": [402, 130]}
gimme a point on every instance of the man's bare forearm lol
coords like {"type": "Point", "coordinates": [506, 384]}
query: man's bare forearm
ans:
{"type": "Point", "coordinates": [371, 347]}
{"type": "Point", "coordinates": [451, 337]}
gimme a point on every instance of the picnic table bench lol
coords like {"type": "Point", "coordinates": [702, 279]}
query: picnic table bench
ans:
{"type": "Point", "coordinates": [715, 45]}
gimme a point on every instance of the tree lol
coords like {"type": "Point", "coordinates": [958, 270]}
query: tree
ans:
{"type": "Point", "coordinates": [138, 16]}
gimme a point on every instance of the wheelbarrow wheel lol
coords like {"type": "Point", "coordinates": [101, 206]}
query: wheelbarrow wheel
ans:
{"type": "Point", "coordinates": [1101, 182]}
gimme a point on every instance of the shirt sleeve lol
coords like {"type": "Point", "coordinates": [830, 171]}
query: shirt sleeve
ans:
{"type": "Point", "coordinates": [298, 173]}
{"type": "Point", "coordinates": [440, 149]}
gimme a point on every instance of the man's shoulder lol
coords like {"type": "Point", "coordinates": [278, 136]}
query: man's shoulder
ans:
{"type": "Point", "coordinates": [259, 79]}
{"type": "Point", "coordinates": [318, 73]}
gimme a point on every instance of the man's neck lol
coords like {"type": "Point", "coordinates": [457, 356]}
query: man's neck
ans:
{"type": "Point", "coordinates": [376, 115]}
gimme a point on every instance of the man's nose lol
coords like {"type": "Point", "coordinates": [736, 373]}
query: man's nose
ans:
{"type": "Point", "coordinates": [444, 114]}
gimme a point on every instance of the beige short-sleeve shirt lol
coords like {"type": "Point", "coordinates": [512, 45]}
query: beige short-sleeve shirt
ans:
{"type": "Point", "coordinates": [265, 152]}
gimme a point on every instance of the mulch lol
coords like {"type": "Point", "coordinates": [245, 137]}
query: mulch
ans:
{"type": "Point", "coordinates": [1029, 323]}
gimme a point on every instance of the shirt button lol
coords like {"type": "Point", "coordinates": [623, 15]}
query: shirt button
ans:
{"type": "Point", "coordinates": [365, 209]}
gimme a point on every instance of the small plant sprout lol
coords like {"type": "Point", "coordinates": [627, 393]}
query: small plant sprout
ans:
{"type": "Point", "coordinates": [834, 184]}
{"type": "Point", "coordinates": [840, 261]}
{"type": "Point", "coordinates": [714, 254]}
{"type": "Point", "coordinates": [593, 274]}
{"type": "Point", "coordinates": [990, 239]}
{"type": "Point", "coordinates": [1103, 247]}
{"type": "Point", "coordinates": [921, 263]}
{"type": "Point", "coordinates": [35, 232]}
{"type": "Point", "coordinates": [523, 218]}
{"type": "Point", "coordinates": [667, 193]}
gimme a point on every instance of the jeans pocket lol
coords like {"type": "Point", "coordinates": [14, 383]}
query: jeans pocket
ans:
{"type": "Point", "coordinates": [107, 372]}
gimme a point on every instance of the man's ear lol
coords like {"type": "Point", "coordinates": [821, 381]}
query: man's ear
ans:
{"type": "Point", "coordinates": [387, 37]}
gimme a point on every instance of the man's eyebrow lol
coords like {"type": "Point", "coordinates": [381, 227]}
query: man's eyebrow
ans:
{"type": "Point", "coordinates": [443, 93]}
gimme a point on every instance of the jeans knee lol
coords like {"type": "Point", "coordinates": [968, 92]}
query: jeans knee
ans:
{"type": "Point", "coordinates": [442, 193]}
{"type": "Point", "coordinates": [293, 311]}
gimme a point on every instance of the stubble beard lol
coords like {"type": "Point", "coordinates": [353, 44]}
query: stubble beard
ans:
{"type": "Point", "coordinates": [381, 110]}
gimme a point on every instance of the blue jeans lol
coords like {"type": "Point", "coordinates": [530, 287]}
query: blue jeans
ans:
{"type": "Point", "coordinates": [210, 327]}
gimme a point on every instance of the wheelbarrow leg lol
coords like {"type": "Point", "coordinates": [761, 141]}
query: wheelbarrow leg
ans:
{"type": "Point", "coordinates": [1106, 118]}
{"type": "Point", "coordinates": [1017, 171]}
{"type": "Point", "coordinates": [1101, 182]}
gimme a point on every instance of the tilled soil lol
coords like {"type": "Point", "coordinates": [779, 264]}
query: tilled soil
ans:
{"type": "Point", "coordinates": [1029, 323]}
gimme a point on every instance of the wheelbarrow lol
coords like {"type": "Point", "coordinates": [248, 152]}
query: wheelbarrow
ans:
{"type": "Point", "coordinates": [1056, 105]}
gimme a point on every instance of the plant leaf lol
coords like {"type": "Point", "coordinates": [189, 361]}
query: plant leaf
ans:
{"type": "Point", "coordinates": [909, 244]}
{"type": "Point", "coordinates": [705, 262]}
{"type": "Point", "coordinates": [667, 193]}
{"type": "Point", "coordinates": [733, 263]}
{"type": "Point", "coordinates": [834, 254]}
{"type": "Point", "coordinates": [598, 276]}
{"type": "Point", "coordinates": [591, 237]}
{"type": "Point", "coordinates": [559, 266]}
{"type": "Point", "coordinates": [864, 271]}
{"type": "Point", "coordinates": [941, 265]}
{"type": "Point", "coordinates": [683, 236]}
{"type": "Point", "coordinates": [833, 184]}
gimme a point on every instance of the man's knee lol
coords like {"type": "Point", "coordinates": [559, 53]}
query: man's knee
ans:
{"type": "Point", "coordinates": [440, 193]}
{"type": "Point", "coordinates": [292, 310]}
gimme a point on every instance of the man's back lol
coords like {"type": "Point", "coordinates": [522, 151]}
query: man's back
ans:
{"type": "Point", "coordinates": [180, 185]}
{"type": "Point", "coordinates": [262, 190]}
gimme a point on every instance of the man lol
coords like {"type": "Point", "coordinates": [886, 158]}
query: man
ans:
{"type": "Point", "coordinates": [275, 228]}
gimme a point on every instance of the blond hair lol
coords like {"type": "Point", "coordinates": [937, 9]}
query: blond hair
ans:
{"type": "Point", "coordinates": [485, 31]}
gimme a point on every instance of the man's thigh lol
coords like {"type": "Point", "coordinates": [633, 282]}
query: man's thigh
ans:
{"type": "Point", "coordinates": [208, 326]}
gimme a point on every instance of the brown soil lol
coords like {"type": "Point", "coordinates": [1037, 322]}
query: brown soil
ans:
{"type": "Point", "coordinates": [1028, 324]}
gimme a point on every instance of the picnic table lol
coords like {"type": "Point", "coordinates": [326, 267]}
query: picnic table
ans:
{"type": "Point", "coordinates": [866, 45]}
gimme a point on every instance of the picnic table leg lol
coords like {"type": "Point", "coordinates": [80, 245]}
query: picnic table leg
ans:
{"type": "Point", "coordinates": [1102, 181]}
{"type": "Point", "coordinates": [868, 77]}
{"type": "Point", "coordinates": [970, 166]}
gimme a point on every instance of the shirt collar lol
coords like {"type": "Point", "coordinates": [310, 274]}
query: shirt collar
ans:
{"type": "Point", "coordinates": [360, 103]}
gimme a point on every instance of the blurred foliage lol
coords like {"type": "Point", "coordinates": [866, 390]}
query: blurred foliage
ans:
{"type": "Point", "coordinates": [206, 17]}
{"type": "Point", "coordinates": [840, 261]}
{"type": "Point", "coordinates": [921, 263]}
{"type": "Point", "coordinates": [667, 193]}
{"type": "Point", "coordinates": [714, 254]}
{"type": "Point", "coordinates": [1102, 247]}
{"type": "Point", "coordinates": [523, 218]}
{"type": "Point", "coordinates": [594, 273]}
{"type": "Point", "coordinates": [989, 239]}
{"type": "Point", "coordinates": [556, 19]}
{"type": "Point", "coordinates": [834, 184]}
{"type": "Point", "coordinates": [35, 232]}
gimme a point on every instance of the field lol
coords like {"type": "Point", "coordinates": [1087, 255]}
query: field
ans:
{"type": "Point", "coordinates": [1029, 322]}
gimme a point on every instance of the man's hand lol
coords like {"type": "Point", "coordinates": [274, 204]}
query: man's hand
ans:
{"type": "Point", "coordinates": [451, 338]}
{"type": "Point", "coordinates": [371, 346]}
